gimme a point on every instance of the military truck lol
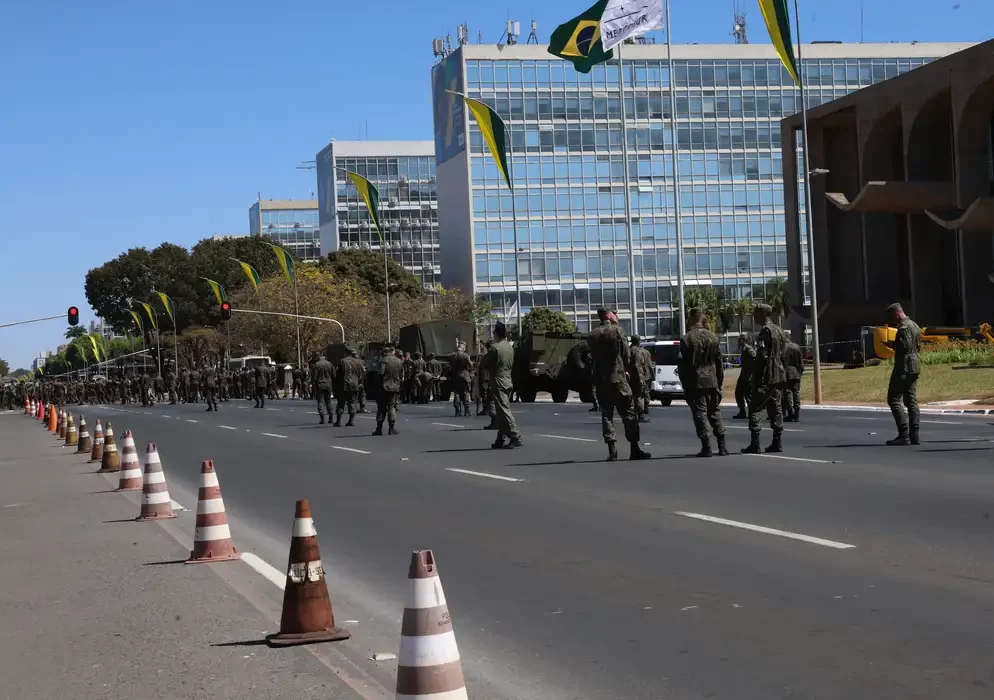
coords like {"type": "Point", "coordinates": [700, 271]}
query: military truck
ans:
{"type": "Point", "coordinates": [540, 364]}
{"type": "Point", "coordinates": [440, 338]}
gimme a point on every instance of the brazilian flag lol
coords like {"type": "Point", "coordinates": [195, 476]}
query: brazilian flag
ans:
{"type": "Point", "coordinates": [777, 18]}
{"type": "Point", "coordinates": [579, 40]}
{"type": "Point", "coordinates": [285, 261]}
{"type": "Point", "coordinates": [367, 190]}
{"type": "Point", "coordinates": [494, 134]}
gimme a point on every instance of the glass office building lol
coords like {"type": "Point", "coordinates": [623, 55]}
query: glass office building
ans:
{"type": "Point", "coordinates": [293, 223]}
{"type": "Point", "coordinates": [568, 173]}
{"type": "Point", "coordinates": [404, 175]}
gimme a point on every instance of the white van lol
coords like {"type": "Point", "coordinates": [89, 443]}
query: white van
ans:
{"type": "Point", "coordinates": [665, 384]}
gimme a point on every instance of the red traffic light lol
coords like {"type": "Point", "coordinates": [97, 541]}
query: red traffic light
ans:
{"type": "Point", "coordinates": [73, 316]}
{"type": "Point", "coordinates": [225, 310]}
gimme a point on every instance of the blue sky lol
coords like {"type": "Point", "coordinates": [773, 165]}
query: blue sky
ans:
{"type": "Point", "coordinates": [129, 123]}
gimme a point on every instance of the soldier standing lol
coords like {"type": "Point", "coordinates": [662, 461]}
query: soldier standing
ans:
{"type": "Point", "coordinates": [743, 385]}
{"type": "Point", "coordinates": [390, 372]}
{"type": "Point", "coordinates": [260, 386]}
{"type": "Point", "coordinates": [459, 374]}
{"type": "Point", "coordinates": [208, 378]}
{"type": "Point", "coordinates": [642, 379]}
{"type": "Point", "coordinates": [702, 370]}
{"type": "Point", "coordinates": [362, 388]}
{"type": "Point", "coordinates": [793, 362]}
{"type": "Point", "coordinates": [498, 364]}
{"type": "Point", "coordinates": [350, 368]}
{"type": "Point", "coordinates": [768, 380]}
{"type": "Point", "coordinates": [323, 375]}
{"type": "Point", "coordinates": [612, 366]}
{"type": "Point", "coordinates": [904, 377]}
{"type": "Point", "coordinates": [194, 385]}
{"type": "Point", "coordinates": [298, 383]}
{"type": "Point", "coordinates": [406, 389]}
{"type": "Point", "coordinates": [435, 367]}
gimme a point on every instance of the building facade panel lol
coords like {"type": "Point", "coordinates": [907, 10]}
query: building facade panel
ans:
{"type": "Point", "coordinates": [292, 223]}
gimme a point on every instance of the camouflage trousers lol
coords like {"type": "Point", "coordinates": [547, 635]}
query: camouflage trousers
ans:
{"type": "Point", "coordinates": [705, 407]}
{"type": "Point", "coordinates": [904, 388]}
{"type": "Point", "coordinates": [791, 400]}
{"type": "Point", "coordinates": [765, 397]}
{"type": "Point", "coordinates": [347, 401]}
{"type": "Point", "coordinates": [618, 396]}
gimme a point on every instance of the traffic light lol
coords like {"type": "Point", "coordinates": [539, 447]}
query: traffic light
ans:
{"type": "Point", "coordinates": [73, 316]}
{"type": "Point", "coordinates": [225, 311]}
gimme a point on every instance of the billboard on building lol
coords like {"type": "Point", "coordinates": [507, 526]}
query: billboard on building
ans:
{"type": "Point", "coordinates": [326, 184]}
{"type": "Point", "coordinates": [450, 135]}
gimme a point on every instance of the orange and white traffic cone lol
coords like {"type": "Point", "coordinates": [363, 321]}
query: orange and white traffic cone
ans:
{"type": "Point", "coordinates": [40, 411]}
{"type": "Point", "coordinates": [307, 615]}
{"type": "Point", "coordinates": [72, 437]}
{"type": "Point", "coordinates": [111, 461]}
{"type": "Point", "coordinates": [428, 665]}
{"type": "Point", "coordinates": [97, 454]}
{"type": "Point", "coordinates": [85, 444]}
{"type": "Point", "coordinates": [211, 537]}
{"type": "Point", "coordinates": [53, 418]}
{"type": "Point", "coordinates": [60, 426]}
{"type": "Point", "coordinates": [131, 470]}
{"type": "Point", "coordinates": [156, 503]}
{"type": "Point", "coordinates": [27, 406]}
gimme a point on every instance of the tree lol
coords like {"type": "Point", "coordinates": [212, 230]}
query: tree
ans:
{"type": "Point", "coordinates": [483, 311]}
{"type": "Point", "coordinates": [741, 309]}
{"type": "Point", "coordinates": [18, 373]}
{"type": "Point", "coordinates": [114, 287]}
{"type": "Point", "coordinates": [4, 367]}
{"type": "Point", "coordinates": [542, 318]}
{"type": "Point", "coordinates": [213, 258]}
{"type": "Point", "coordinates": [712, 301]}
{"type": "Point", "coordinates": [73, 332]}
{"type": "Point", "coordinates": [776, 295]}
{"type": "Point", "coordinates": [365, 266]}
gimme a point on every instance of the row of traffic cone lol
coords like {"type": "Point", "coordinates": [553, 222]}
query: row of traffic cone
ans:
{"type": "Point", "coordinates": [428, 666]}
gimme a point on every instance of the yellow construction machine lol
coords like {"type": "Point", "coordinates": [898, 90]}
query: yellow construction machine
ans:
{"type": "Point", "coordinates": [874, 338]}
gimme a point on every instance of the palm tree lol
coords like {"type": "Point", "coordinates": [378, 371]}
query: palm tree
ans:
{"type": "Point", "coordinates": [713, 302]}
{"type": "Point", "coordinates": [73, 332]}
{"type": "Point", "coordinates": [740, 309]}
{"type": "Point", "coordinates": [777, 297]}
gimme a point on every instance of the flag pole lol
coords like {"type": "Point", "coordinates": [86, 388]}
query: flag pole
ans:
{"type": "Point", "coordinates": [628, 192]}
{"type": "Point", "coordinates": [680, 281]}
{"type": "Point", "coordinates": [296, 306]}
{"type": "Point", "coordinates": [816, 349]}
{"type": "Point", "coordinates": [514, 228]}
{"type": "Point", "coordinates": [386, 285]}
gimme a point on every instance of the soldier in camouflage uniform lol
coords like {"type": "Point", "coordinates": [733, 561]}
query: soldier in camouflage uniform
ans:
{"type": "Point", "coordinates": [350, 370]}
{"type": "Point", "coordinates": [323, 376]}
{"type": "Point", "coordinates": [768, 380]}
{"type": "Point", "coordinates": [460, 375]}
{"type": "Point", "coordinates": [391, 373]}
{"type": "Point", "coordinates": [904, 377]}
{"type": "Point", "coordinates": [641, 379]}
{"type": "Point", "coordinates": [793, 361]}
{"type": "Point", "coordinates": [498, 363]}
{"type": "Point", "coordinates": [435, 367]}
{"type": "Point", "coordinates": [743, 385]}
{"type": "Point", "coordinates": [612, 366]}
{"type": "Point", "coordinates": [208, 380]}
{"type": "Point", "coordinates": [702, 370]}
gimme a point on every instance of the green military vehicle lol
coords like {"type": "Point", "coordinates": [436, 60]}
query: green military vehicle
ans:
{"type": "Point", "coordinates": [540, 364]}
{"type": "Point", "coordinates": [439, 338]}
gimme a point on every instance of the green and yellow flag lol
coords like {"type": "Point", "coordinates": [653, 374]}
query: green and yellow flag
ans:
{"type": "Point", "coordinates": [285, 261]}
{"type": "Point", "coordinates": [138, 322]}
{"type": "Point", "coordinates": [167, 303]}
{"type": "Point", "coordinates": [151, 314]}
{"type": "Point", "coordinates": [579, 40]}
{"type": "Point", "coordinates": [250, 272]}
{"type": "Point", "coordinates": [777, 18]}
{"type": "Point", "coordinates": [218, 290]}
{"type": "Point", "coordinates": [96, 350]}
{"type": "Point", "coordinates": [370, 196]}
{"type": "Point", "coordinates": [494, 134]}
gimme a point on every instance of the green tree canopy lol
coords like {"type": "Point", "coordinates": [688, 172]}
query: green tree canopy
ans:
{"type": "Point", "coordinates": [75, 332]}
{"type": "Point", "coordinates": [366, 268]}
{"type": "Point", "coordinates": [542, 318]}
{"type": "Point", "coordinates": [4, 367]}
{"type": "Point", "coordinates": [713, 302]}
{"type": "Point", "coordinates": [775, 292]}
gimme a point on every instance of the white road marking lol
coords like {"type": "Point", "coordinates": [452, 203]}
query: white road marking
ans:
{"type": "Point", "coordinates": [227, 427]}
{"type": "Point", "coordinates": [313, 413]}
{"type": "Point", "coordinates": [165, 416]}
{"type": "Point", "coordinates": [484, 474]}
{"type": "Point", "coordinates": [275, 435]}
{"type": "Point", "coordinates": [798, 459]}
{"type": "Point", "coordinates": [177, 506]}
{"type": "Point", "coordinates": [190, 420]}
{"type": "Point", "coordinates": [861, 418]}
{"type": "Point", "coordinates": [265, 569]}
{"type": "Point", "coordinates": [147, 413]}
{"type": "Point", "coordinates": [241, 407]}
{"type": "Point", "coordinates": [349, 449]}
{"type": "Point", "coordinates": [746, 427]}
{"type": "Point", "coordinates": [274, 409]}
{"type": "Point", "coordinates": [942, 422]}
{"type": "Point", "coordinates": [449, 425]}
{"type": "Point", "coordinates": [565, 437]}
{"type": "Point", "coordinates": [768, 530]}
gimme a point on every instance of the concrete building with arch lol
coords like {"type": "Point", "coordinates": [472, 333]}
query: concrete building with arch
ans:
{"type": "Point", "coordinates": [905, 211]}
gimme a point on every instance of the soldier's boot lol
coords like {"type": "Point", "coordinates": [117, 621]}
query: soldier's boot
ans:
{"type": "Point", "coordinates": [492, 425]}
{"type": "Point", "coordinates": [351, 422]}
{"type": "Point", "coordinates": [638, 453]}
{"type": "Point", "coordinates": [741, 415]}
{"type": "Point", "coordinates": [612, 452]}
{"type": "Point", "coordinates": [902, 438]}
{"type": "Point", "coordinates": [722, 447]}
{"type": "Point", "coordinates": [705, 448]}
{"type": "Point", "coordinates": [321, 422]}
{"type": "Point", "coordinates": [777, 444]}
{"type": "Point", "coordinates": [393, 430]}
{"type": "Point", "coordinates": [753, 448]}
{"type": "Point", "coordinates": [379, 429]}
{"type": "Point", "coordinates": [595, 409]}
{"type": "Point", "coordinates": [797, 414]}
{"type": "Point", "coordinates": [209, 409]}
{"type": "Point", "coordinates": [913, 435]}
{"type": "Point", "coordinates": [458, 412]}
{"type": "Point", "coordinates": [515, 442]}
{"type": "Point", "coordinates": [338, 420]}
{"type": "Point", "coordinates": [644, 418]}
{"type": "Point", "coordinates": [499, 443]}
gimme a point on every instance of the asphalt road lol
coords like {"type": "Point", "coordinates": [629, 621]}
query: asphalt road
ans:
{"type": "Point", "coordinates": [575, 578]}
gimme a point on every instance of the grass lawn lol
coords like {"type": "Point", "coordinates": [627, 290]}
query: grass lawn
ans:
{"type": "Point", "coordinates": [869, 384]}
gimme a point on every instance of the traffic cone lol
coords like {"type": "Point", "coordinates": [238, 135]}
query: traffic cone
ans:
{"type": "Point", "coordinates": [72, 437]}
{"type": "Point", "coordinates": [111, 461]}
{"type": "Point", "coordinates": [307, 615]}
{"type": "Point", "coordinates": [85, 444]}
{"type": "Point", "coordinates": [53, 418]}
{"type": "Point", "coordinates": [211, 537]}
{"type": "Point", "coordinates": [131, 470]}
{"type": "Point", "coordinates": [428, 665]}
{"type": "Point", "coordinates": [27, 407]}
{"type": "Point", "coordinates": [61, 432]}
{"type": "Point", "coordinates": [39, 411]}
{"type": "Point", "coordinates": [156, 503]}
{"type": "Point", "coordinates": [97, 454]}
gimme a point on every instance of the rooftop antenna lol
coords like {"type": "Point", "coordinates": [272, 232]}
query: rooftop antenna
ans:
{"type": "Point", "coordinates": [861, 22]}
{"type": "Point", "coordinates": [462, 34]}
{"type": "Point", "coordinates": [533, 37]}
{"type": "Point", "coordinates": [438, 48]}
{"type": "Point", "coordinates": [513, 31]}
{"type": "Point", "coordinates": [479, 37]}
{"type": "Point", "coordinates": [448, 43]}
{"type": "Point", "coordinates": [739, 25]}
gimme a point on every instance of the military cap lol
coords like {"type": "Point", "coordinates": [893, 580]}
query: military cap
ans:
{"type": "Point", "coordinates": [765, 308]}
{"type": "Point", "coordinates": [895, 307]}
{"type": "Point", "coordinates": [500, 328]}
{"type": "Point", "coordinates": [636, 339]}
